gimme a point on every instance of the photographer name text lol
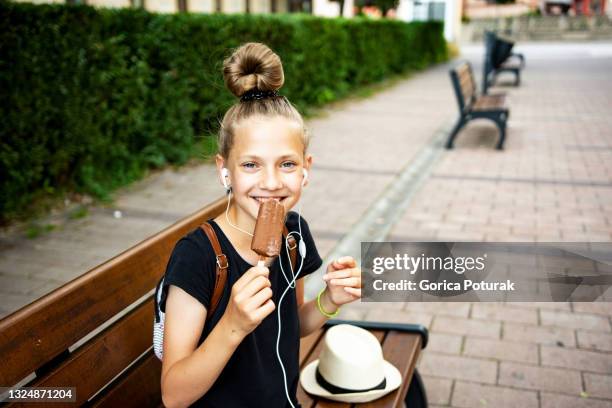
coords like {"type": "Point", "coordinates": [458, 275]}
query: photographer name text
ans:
{"type": "Point", "coordinates": [428, 286]}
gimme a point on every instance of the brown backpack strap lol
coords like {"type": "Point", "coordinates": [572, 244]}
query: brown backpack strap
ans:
{"type": "Point", "coordinates": [222, 265]}
{"type": "Point", "coordinates": [292, 243]}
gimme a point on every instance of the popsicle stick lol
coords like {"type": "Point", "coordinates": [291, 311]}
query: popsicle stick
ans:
{"type": "Point", "coordinates": [262, 261]}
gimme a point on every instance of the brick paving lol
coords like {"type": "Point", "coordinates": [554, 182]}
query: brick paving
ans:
{"type": "Point", "coordinates": [553, 182]}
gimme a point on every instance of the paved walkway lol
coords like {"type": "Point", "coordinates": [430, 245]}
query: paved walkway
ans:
{"type": "Point", "coordinates": [553, 182]}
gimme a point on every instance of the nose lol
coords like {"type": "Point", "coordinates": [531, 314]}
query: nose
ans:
{"type": "Point", "coordinates": [271, 180]}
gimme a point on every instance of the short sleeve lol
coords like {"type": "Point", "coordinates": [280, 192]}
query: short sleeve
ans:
{"type": "Point", "coordinates": [313, 260]}
{"type": "Point", "coordinates": [190, 268]}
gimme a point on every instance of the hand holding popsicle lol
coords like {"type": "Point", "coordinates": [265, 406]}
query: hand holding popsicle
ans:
{"type": "Point", "coordinates": [251, 297]}
{"type": "Point", "coordinates": [250, 301]}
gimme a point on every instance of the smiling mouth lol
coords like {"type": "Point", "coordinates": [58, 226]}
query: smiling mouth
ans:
{"type": "Point", "coordinates": [264, 199]}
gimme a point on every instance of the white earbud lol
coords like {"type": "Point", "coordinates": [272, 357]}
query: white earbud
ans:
{"type": "Point", "coordinates": [224, 176]}
{"type": "Point", "coordinates": [302, 248]}
{"type": "Point", "coordinates": [305, 172]}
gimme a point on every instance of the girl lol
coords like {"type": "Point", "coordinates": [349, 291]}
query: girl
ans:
{"type": "Point", "coordinates": [262, 156]}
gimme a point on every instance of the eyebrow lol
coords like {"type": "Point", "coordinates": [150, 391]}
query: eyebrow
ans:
{"type": "Point", "coordinates": [283, 157]}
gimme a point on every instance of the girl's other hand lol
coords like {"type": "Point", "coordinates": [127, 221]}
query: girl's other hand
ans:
{"type": "Point", "coordinates": [250, 301]}
{"type": "Point", "coordinates": [343, 280]}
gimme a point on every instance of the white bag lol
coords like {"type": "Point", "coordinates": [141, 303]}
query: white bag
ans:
{"type": "Point", "coordinates": [158, 324]}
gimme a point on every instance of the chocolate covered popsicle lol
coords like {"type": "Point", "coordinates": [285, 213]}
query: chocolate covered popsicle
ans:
{"type": "Point", "coordinates": [267, 238]}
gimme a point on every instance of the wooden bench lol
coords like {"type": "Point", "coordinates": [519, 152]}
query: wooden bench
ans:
{"type": "Point", "coordinates": [401, 345]}
{"type": "Point", "coordinates": [95, 332]}
{"type": "Point", "coordinates": [499, 58]}
{"type": "Point", "coordinates": [473, 106]}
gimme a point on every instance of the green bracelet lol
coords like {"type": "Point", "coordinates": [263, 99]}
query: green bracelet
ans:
{"type": "Point", "coordinates": [323, 312]}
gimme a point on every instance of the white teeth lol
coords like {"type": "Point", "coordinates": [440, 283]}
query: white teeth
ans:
{"type": "Point", "coordinates": [264, 199]}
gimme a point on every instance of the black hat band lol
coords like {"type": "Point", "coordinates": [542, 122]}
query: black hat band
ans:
{"type": "Point", "coordinates": [339, 390]}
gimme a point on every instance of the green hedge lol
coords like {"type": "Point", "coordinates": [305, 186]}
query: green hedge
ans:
{"type": "Point", "coordinates": [93, 98]}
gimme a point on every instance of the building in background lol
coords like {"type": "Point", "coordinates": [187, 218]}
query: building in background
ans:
{"type": "Point", "coordinates": [327, 8]}
{"type": "Point", "coordinates": [477, 9]}
{"type": "Point", "coordinates": [590, 7]}
{"type": "Point", "coordinates": [574, 7]}
{"type": "Point", "coordinates": [202, 6]}
{"type": "Point", "coordinates": [448, 11]}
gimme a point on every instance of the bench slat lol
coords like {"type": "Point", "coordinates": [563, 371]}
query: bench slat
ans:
{"type": "Point", "coordinates": [490, 102]}
{"type": "Point", "coordinates": [307, 344]}
{"type": "Point", "coordinates": [323, 403]}
{"type": "Point", "coordinates": [464, 86]}
{"type": "Point", "coordinates": [511, 64]}
{"type": "Point", "coordinates": [466, 83]}
{"type": "Point", "coordinates": [139, 388]}
{"type": "Point", "coordinates": [92, 366]}
{"type": "Point", "coordinates": [401, 350]}
{"type": "Point", "coordinates": [36, 333]}
{"type": "Point", "coordinates": [304, 399]}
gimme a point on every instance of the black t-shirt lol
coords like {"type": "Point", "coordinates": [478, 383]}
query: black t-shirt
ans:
{"type": "Point", "coordinates": [253, 375]}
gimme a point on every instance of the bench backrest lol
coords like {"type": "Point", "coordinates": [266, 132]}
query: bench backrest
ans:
{"type": "Point", "coordinates": [487, 64]}
{"type": "Point", "coordinates": [497, 51]}
{"type": "Point", "coordinates": [462, 78]}
{"type": "Point", "coordinates": [85, 333]}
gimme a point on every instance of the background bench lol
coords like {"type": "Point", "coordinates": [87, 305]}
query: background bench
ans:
{"type": "Point", "coordinates": [95, 332]}
{"type": "Point", "coordinates": [499, 58]}
{"type": "Point", "coordinates": [473, 106]}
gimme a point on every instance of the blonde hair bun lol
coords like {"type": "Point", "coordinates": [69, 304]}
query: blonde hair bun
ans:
{"type": "Point", "coordinates": [253, 66]}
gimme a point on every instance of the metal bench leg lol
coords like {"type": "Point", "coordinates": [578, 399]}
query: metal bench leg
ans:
{"type": "Point", "coordinates": [453, 134]}
{"type": "Point", "coordinates": [501, 124]}
{"type": "Point", "coordinates": [416, 397]}
{"type": "Point", "coordinates": [487, 83]}
{"type": "Point", "coordinates": [491, 81]}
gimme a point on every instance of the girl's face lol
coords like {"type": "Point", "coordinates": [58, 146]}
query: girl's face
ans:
{"type": "Point", "coordinates": [265, 162]}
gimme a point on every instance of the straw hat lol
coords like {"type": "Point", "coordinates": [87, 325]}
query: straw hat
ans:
{"type": "Point", "coordinates": [350, 367]}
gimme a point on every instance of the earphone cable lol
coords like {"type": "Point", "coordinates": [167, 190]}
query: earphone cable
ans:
{"type": "Point", "coordinates": [291, 266]}
{"type": "Point", "coordinates": [229, 199]}
{"type": "Point", "coordinates": [280, 302]}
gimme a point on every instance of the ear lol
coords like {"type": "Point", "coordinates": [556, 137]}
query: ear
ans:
{"type": "Point", "coordinates": [307, 165]}
{"type": "Point", "coordinates": [220, 163]}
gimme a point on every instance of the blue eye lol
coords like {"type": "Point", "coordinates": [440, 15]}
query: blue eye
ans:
{"type": "Point", "coordinates": [288, 165]}
{"type": "Point", "coordinates": [249, 165]}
